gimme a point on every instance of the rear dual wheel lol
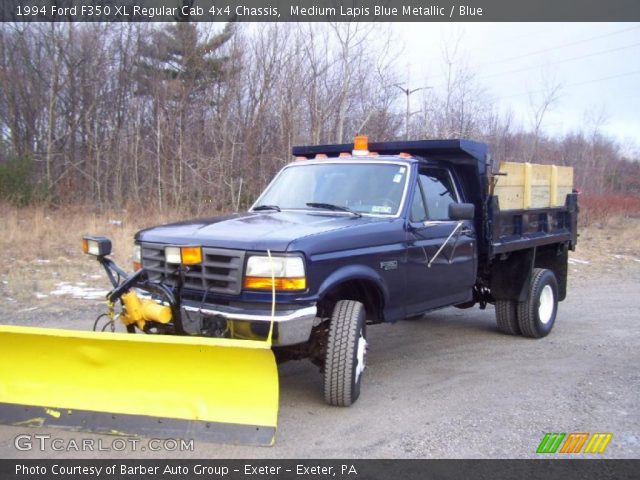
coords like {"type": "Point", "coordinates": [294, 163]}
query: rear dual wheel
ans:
{"type": "Point", "coordinates": [507, 317]}
{"type": "Point", "coordinates": [535, 316]}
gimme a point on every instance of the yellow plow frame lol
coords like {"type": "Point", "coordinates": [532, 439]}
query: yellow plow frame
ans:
{"type": "Point", "coordinates": [219, 390]}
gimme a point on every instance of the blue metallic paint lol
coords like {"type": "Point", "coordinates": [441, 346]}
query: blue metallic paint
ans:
{"type": "Point", "coordinates": [338, 248]}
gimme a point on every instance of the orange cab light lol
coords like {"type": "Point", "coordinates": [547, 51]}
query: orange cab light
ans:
{"type": "Point", "coordinates": [301, 158]}
{"type": "Point", "coordinates": [374, 154]}
{"type": "Point", "coordinates": [360, 146]}
{"type": "Point", "coordinates": [264, 283]}
{"type": "Point", "coordinates": [361, 142]}
{"type": "Point", "coordinates": [321, 155]}
{"type": "Point", "coordinates": [137, 266]}
{"type": "Point", "coordinates": [85, 245]}
{"type": "Point", "coordinates": [191, 255]}
{"type": "Point", "coordinates": [405, 155]}
{"type": "Point", "coordinates": [344, 154]}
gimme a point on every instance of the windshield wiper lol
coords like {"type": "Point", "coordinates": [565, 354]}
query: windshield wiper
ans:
{"type": "Point", "coordinates": [266, 207]}
{"type": "Point", "coordinates": [335, 208]}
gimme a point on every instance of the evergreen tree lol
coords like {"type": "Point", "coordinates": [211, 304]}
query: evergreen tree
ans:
{"type": "Point", "coordinates": [179, 63]}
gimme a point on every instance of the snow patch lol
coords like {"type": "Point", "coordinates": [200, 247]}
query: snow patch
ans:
{"type": "Point", "coordinates": [30, 309]}
{"type": "Point", "coordinates": [40, 296]}
{"type": "Point", "coordinates": [625, 257]}
{"type": "Point", "coordinates": [577, 261]}
{"type": "Point", "coordinates": [78, 290]}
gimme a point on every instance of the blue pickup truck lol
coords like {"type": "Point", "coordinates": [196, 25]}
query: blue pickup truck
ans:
{"type": "Point", "coordinates": [352, 235]}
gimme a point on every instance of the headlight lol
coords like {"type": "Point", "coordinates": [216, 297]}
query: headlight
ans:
{"type": "Point", "coordinates": [278, 266]}
{"type": "Point", "coordinates": [137, 257]}
{"type": "Point", "coordinates": [98, 246]}
{"type": "Point", "coordinates": [183, 255]}
{"type": "Point", "coordinates": [288, 272]}
{"type": "Point", "coordinates": [172, 255]}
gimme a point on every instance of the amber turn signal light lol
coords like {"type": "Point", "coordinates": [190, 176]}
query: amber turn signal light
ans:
{"type": "Point", "coordinates": [281, 284]}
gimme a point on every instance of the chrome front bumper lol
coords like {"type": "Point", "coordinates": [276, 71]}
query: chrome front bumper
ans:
{"type": "Point", "coordinates": [290, 326]}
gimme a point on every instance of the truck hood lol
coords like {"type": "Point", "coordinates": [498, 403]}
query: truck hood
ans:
{"type": "Point", "coordinates": [252, 230]}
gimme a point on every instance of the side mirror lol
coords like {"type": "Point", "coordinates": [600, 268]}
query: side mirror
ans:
{"type": "Point", "coordinates": [462, 211]}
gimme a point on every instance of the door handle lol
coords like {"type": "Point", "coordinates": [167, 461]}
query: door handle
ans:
{"type": "Point", "coordinates": [466, 231]}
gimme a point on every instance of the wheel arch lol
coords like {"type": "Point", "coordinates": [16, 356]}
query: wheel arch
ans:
{"type": "Point", "coordinates": [556, 259]}
{"type": "Point", "coordinates": [358, 283]}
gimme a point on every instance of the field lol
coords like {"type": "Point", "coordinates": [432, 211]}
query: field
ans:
{"type": "Point", "coordinates": [44, 263]}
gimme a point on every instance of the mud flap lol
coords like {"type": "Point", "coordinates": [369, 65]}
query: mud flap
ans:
{"type": "Point", "coordinates": [217, 390]}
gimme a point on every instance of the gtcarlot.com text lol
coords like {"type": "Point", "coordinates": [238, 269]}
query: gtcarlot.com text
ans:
{"type": "Point", "coordinates": [46, 442]}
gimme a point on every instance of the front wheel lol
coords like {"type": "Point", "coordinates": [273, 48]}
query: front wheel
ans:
{"type": "Point", "coordinates": [346, 354]}
{"type": "Point", "coordinates": [537, 314]}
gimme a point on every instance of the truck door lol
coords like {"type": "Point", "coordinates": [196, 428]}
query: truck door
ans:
{"type": "Point", "coordinates": [437, 276]}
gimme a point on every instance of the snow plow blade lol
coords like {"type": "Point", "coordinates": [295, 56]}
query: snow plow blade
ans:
{"type": "Point", "coordinates": [160, 386]}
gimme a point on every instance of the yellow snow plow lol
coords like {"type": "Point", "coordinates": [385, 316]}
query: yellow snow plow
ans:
{"type": "Point", "coordinates": [163, 386]}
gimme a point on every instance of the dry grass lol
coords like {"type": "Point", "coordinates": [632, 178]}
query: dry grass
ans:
{"type": "Point", "coordinates": [612, 244]}
{"type": "Point", "coordinates": [609, 229]}
{"type": "Point", "coordinates": [41, 247]}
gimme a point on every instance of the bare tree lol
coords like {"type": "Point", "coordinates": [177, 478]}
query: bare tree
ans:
{"type": "Point", "coordinates": [200, 117]}
{"type": "Point", "coordinates": [540, 105]}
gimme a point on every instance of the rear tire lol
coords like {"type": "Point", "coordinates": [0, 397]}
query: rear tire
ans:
{"type": "Point", "coordinates": [345, 358]}
{"type": "Point", "coordinates": [537, 314]}
{"type": "Point", "coordinates": [507, 317]}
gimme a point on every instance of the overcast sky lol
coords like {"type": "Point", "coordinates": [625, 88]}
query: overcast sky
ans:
{"type": "Point", "coordinates": [597, 66]}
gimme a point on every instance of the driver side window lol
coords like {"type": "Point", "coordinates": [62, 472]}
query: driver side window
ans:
{"type": "Point", "coordinates": [418, 210]}
{"type": "Point", "coordinates": [437, 193]}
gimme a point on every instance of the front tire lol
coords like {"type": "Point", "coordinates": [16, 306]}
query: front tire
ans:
{"type": "Point", "coordinates": [537, 314]}
{"type": "Point", "coordinates": [345, 358]}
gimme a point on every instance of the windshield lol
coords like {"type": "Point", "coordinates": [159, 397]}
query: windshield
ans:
{"type": "Point", "coordinates": [373, 188]}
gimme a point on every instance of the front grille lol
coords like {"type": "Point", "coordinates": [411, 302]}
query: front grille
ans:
{"type": "Point", "coordinates": [220, 271]}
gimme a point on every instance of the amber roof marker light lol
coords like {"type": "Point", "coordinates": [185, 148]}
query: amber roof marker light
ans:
{"type": "Point", "coordinates": [360, 145]}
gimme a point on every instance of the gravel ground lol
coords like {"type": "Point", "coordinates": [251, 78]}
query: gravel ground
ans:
{"type": "Point", "coordinates": [447, 385]}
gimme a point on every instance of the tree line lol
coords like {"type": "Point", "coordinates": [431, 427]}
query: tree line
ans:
{"type": "Point", "coordinates": [193, 116]}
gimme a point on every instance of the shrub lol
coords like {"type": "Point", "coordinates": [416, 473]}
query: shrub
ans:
{"type": "Point", "coordinates": [598, 208]}
{"type": "Point", "coordinates": [16, 182]}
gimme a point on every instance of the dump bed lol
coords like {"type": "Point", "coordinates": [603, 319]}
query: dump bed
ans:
{"type": "Point", "coordinates": [529, 205]}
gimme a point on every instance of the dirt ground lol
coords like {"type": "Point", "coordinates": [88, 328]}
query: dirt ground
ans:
{"type": "Point", "coordinates": [445, 386]}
